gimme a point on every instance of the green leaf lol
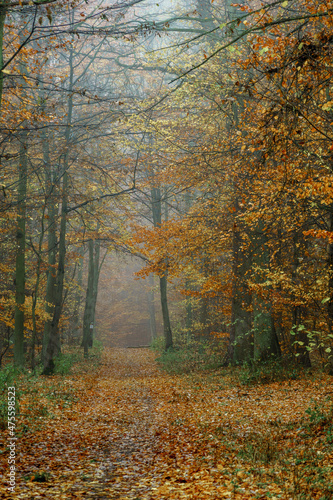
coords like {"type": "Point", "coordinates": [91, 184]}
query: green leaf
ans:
{"type": "Point", "coordinates": [326, 299]}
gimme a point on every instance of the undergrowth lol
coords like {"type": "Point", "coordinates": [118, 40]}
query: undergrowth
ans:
{"type": "Point", "coordinates": [192, 354]}
{"type": "Point", "coordinates": [189, 355]}
{"type": "Point", "coordinates": [8, 375]}
{"type": "Point", "coordinates": [43, 396]}
{"type": "Point", "coordinates": [266, 372]}
{"type": "Point", "coordinates": [64, 362]}
{"type": "Point", "coordinates": [294, 455]}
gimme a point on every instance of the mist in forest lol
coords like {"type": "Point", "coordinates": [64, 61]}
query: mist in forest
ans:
{"type": "Point", "coordinates": [125, 304]}
{"type": "Point", "coordinates": [153, 137]}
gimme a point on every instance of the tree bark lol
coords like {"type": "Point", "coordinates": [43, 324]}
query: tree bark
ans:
{"type": "Point", "coordinates": [36, 290]}
{"type": "Point", "coordinates": [89, 303]}
{"type": "Point", "coordinates": [77, 303]}
{"type": "Point", "coordinates": [157, 219]}
{"type": "Point", "coordinates": [241, 341]}
{"type": "Point", "coordinates": [94, 268]}
{"type": "Point", "coordinates": [265, 340]}
{"type": "Point", "coordinates": [20, 254]}
{"type": "Point", "coordinates": [330, 287]}
{"type": "Point", "coordinates": [53, 347]}
{"type": "Point", "coordinates": [151, 308]}
{"type": "Point", "coordinates": [53, 344]}
{"type": "Point", "coordinates": [3, 13]}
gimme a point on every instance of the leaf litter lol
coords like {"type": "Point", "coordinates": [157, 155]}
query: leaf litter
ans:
{"type": "Point", "coordinates": [126, 430]}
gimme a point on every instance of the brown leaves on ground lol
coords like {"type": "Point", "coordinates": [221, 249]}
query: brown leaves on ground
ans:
{"type": "Point", "coordinates": [125, 430]}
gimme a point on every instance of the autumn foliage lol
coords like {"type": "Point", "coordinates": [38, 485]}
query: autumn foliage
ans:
{"type": "Point", "coordinates": [256, 160]}
{"type": "Point", "coordinates": [192, 149]}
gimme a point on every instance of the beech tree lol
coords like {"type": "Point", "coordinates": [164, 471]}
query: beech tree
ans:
{"type": "Point", "coordinates": [254, 151]}
{"type": "Point", "coordinates": [238, 101]}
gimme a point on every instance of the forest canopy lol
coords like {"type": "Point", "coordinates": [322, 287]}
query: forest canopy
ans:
{"type": "Point", "coordinates": [189, 139]}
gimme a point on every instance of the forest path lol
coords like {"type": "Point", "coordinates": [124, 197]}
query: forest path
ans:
{"type": "Point", "coordinates": [124, 430]}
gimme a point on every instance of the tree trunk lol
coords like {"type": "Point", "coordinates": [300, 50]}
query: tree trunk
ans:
{"type": "Point", "coordinates": [3, 13]}
{"type": "Point", "coordinates": [53, 345]}
{"type": "Point", "coordinates": [151, 308]}
{"type": "Point", "coordinates": [157, 219]}
{"type": "Point", "coordinates": [94, 268]}
{"type": "Point", "coordinates": [97, 266]}
{"type": "Point", "coordinates": [36, 290]}
{"type": "Point", "coordinates": [265, 340]}
{"type": "Point", "coordinates": [301, 337]}
{"type": "Point", "coordinates": [51, 272]}
{"type": "Point", "coordinates": [165, 313]}
{"type": "Point", "coordinates": [241, 341]}
{"type": "Point", "coordinates": [77, 303]}
{"type": "Point", "coordinates": [189, 311]}
{"type": "Point", "coordinates": [89, 303]}
{"type": "Point", "coordinates": [20, 254]}
{"type": "Point", "coordinates": [330, 287]}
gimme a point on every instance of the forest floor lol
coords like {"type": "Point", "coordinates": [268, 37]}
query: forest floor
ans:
{"type": "Point", "coordinates": [124, 429]}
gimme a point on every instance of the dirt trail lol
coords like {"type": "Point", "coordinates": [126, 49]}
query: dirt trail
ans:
{"type": "Point", "coordinates": [129, 387]}
{"type": "Point", "coordinates": [106, 445]}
